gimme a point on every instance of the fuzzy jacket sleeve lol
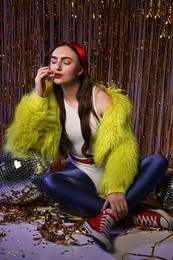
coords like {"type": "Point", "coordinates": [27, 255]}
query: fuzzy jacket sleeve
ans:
{"type": "Point", "coordinates": [116, 146]}
{"type": "Point", "coordinates": [36, 127]}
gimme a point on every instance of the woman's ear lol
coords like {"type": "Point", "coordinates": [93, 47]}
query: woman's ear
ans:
{"type": "Point", "coordinates": [81, 71]}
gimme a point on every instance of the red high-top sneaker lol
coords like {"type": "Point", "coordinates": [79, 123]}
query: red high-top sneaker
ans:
{"type": "Point", "coordinates": [152, 218]}
{"type": "Point", "coordinates": [99, 228]}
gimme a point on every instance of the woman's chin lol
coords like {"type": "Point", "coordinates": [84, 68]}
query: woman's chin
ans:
{"type": "Point", "coordinates": [57, 81]}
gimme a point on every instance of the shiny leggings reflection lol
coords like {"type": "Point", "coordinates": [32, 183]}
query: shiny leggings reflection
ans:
{"type": "Point", "coordinates": [74, 189]}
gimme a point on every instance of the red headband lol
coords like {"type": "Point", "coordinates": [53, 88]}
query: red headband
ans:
{"type": "Point", "coordinates": [82, 55]}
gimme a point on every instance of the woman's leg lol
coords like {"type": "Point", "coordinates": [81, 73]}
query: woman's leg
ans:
{"type": "Point", "coordinates": [74, 189]}
{"type": "Point", "coordinates": [152, 169]}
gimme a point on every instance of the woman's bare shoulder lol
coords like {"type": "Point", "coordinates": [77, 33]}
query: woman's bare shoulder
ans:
{"type": "Point", "coordinates": [103, 101]}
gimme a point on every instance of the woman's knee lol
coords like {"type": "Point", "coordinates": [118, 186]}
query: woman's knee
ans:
{"type": "Point", "coordinates": [51, 181]}
{"type": "Point", "coordinates": [156, 161]}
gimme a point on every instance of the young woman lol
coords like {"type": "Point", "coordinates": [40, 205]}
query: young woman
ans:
{"type": "Point", "coordinates": [70, 116]}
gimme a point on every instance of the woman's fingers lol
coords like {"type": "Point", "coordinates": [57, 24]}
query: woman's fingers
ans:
{"type": "Point", "coordinates": [105, 205]}
{"type": "Point", "coordinates": [42, 74]}
{"type": "Point", "coordinates": [118, 205]}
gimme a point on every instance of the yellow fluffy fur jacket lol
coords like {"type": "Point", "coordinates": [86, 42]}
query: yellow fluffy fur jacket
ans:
{"type": "Point", "coordinates": [36, 127]}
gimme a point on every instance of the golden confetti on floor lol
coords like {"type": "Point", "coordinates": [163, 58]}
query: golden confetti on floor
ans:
{"type": "Point", "coordinates": [53, 223]}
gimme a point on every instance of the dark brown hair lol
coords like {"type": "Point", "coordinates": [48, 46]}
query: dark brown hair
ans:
{"type": "Point", "coordinates": [84, 97]}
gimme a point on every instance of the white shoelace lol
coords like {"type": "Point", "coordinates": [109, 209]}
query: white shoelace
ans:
{"type": "Point", "coordinates": [145, 220]}
{"type": "Point", "coordinates": [106, 223]}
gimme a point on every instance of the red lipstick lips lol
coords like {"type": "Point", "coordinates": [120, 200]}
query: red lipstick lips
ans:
{"type": "Point", "coordinates": [58, 75]}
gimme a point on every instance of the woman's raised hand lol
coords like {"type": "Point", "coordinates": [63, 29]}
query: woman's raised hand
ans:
{"type": "Point", "coordinates": [42, 74]}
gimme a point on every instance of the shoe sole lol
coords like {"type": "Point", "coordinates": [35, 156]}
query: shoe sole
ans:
{"type": "Point", "coordinates": [102, 240]}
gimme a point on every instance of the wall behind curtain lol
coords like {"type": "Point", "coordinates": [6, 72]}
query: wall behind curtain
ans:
{"type": "Point", "coordinates": [128, 42]}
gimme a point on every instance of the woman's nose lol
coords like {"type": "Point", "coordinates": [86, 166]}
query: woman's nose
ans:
{"type": "Point", "coordinates": [58, 65]}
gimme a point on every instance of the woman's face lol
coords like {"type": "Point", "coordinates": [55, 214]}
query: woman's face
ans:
{"type": "Point", "coordinates": [65, 64]}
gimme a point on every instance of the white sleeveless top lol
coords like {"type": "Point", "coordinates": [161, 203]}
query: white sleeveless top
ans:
{"type": "Point", "coordinates": [74, 133]}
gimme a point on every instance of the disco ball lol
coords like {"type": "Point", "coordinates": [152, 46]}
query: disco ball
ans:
{"type": "Point", "coordinates": [20, 179]}
{"type": "Point", "coordinates": [164, 192]}
{"type": "Point", "coordinates": [168, 195]}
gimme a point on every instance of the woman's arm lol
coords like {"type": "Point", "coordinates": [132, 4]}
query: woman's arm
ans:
{"type": "Point", "coordinates": [117, 147]}
{"type": "Point", "coordinates": [36, 127]}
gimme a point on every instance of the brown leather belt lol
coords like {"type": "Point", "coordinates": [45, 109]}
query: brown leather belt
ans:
{"type": "Point", "coordinates": [86, 161]}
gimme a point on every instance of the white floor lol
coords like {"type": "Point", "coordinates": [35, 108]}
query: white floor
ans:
{"type": "Point", "coordinates": [22, 240]}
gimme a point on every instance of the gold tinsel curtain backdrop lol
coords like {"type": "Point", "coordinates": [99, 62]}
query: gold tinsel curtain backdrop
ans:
{"type": "Point", "coordinates": [128, 42]}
